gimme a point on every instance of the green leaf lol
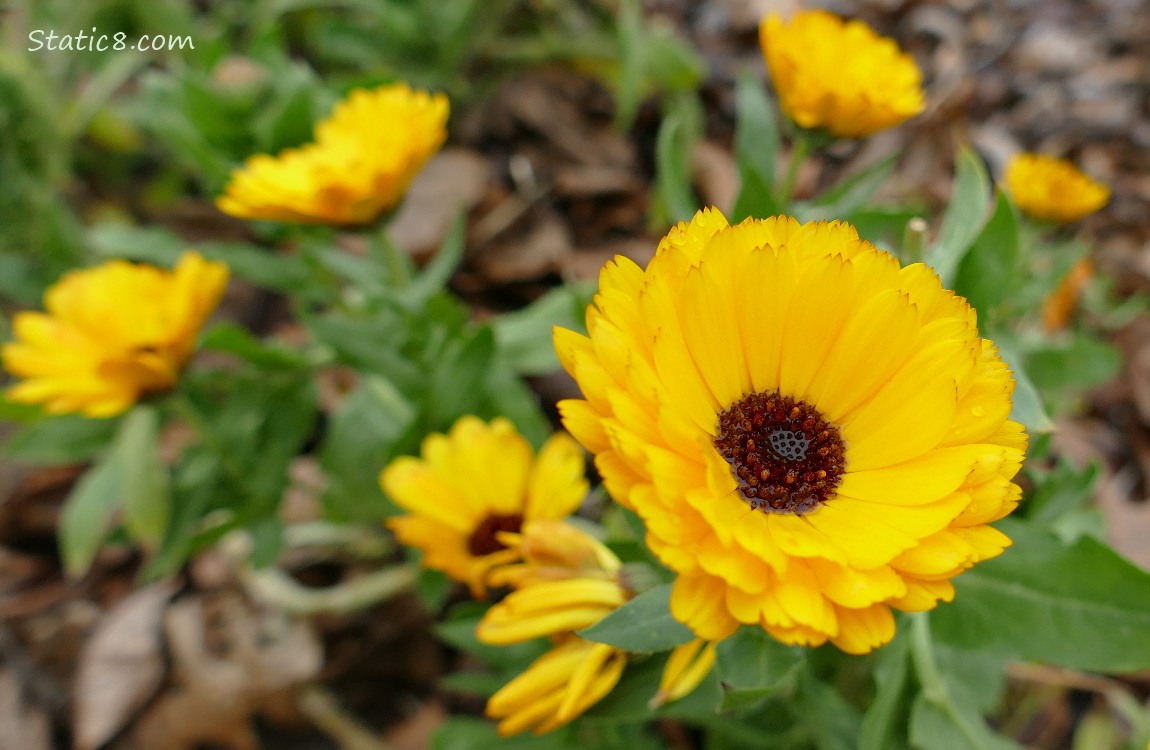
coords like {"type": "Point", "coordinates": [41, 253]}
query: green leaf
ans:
{"type": "Point", "coordinates": [833, 722]}
{"type": "Point", "coordinates": [1027, 408]}
{"type": "Point", "coordinates": [643, 625]}
{"type": "Point", "coordinates": [66, 439]}
{"type": "Point", "coordinates": [87, 515]}
{"type": "Point", "coordinates": [460, 368]}
{"type": "Point", "coordinates": [1080, 363]}
{"type": "Point", "coordinates": [884, 726]}
{"type": "Point", "coordinates": [954, 726]}
{"type": "Point", "coordinates": [467, 733]}
{"type": "Point", "coordinates": [1079, 605]}
{"type": "Point", "coordinates": [964, 217]}
{"type": "Point", "coordinates": [144, 479]}
{"type": "Point", "coordinates": [372, 425]}
{"type": "Point", "coordinates": [752, 666]}
{"type": "Point", "coordinates": [756, 150]}
{"type": "Point", "coordinates": [986, 274]}
{"type": "Point", "coordinates": [438, 272]}
{"type": "Point", "coordinates": [237, 340]}
{"type": "Point", "coordinates": [843, 199]}
{"type": "Point", "coordinates": [674, 142]}
{"type": "Point", "coordinates": [524, 337]}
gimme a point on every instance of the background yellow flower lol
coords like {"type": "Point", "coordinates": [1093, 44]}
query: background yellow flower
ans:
{"type": "Point", "coordinates": [1052, 189]}
{"type": "Point", "coordinates": [839, 75]}
{"type": "Point", "coordinates": [811, 434]}
{"type": "Point", "coordinates": [112, 334]}
{"type": "Point", "coordinates": [474, 483]}
{"type": "Point", "coordinates": [363, 158]}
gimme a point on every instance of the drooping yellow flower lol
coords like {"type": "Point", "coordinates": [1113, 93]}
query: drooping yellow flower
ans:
{"type": "Point", "coordinates": [838, 75]}
{"type": "Point", "coordinates": [568, 581]}
{"type": "Point", "coordinates": [363, 158]}
{"type": "Point", "coordinates": [474, 483]}
{"type": "Point", "coordinates": [557, 687]}
{"type": "Point", "coordinates": [111, 335]}
{"type": "Point", "coordinates": [1053, 189]}
{"type": "Point", "coordinates": [686, 667]}
{"type": "Point", "coordinates": [811, 434]}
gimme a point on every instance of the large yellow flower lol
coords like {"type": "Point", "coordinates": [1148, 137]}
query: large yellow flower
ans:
{"type": "Point", "coordinates": [812, 434]}
{"type": "Point", "coordinates": [838, 75]}
{"type": "Point", "coordinates": [1053, 189]}
{"type": "Point", "coordinates": [111, 335]}
{"type": "Point", "coordinates": [473, 484]}
{"type": "Point", "coordinates": [363, 158]}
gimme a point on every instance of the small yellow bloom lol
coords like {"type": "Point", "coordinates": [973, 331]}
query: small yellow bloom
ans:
{"type": "Point", "coordinates": [557, 687]}
{"type": "Point", "coordinates": [363, 158]}
{"type": "Point", "coordinates": [686, 667]}
{"type": "Point", "coordinates": [812, 434]}
{"type": "Point", "coordinates": [1053, 189]}
{"type": "Point", "coordinates": [472, 485]}
{"type": "Point", "coordinates": [569, 581]}
{"type": "Point", "coordinates": [111, 335]}
{"type": "Point", "coordinates": [839, 75]}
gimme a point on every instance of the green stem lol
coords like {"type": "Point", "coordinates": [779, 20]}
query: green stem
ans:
{"type": "Point", "coordinates": [799, 150]}
{"type": "Point", "coordinates": [934, 687]}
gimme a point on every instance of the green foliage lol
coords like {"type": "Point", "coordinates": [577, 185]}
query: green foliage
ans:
{"type": "Point", "coordinates": [643, 624]}
{"type": "Point", "coordinates": [963, 219]}
{"type": "Point", "coordinates": [1046, 599]}
{"type": "Point", "coordinates": [756, 150]}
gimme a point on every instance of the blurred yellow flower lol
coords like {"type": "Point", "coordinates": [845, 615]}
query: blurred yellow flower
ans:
{"type": "Point", "coordinates": [1052, 189]}
{"type": "Point", "coordinates": [686, 667]}
{"type": "Point", "coordinates": [557, 687]}
{"type": "Point", "coordinates": [568, 581]}
{"type": "Point", "coordinates": [475, 483]}
{"type": "Point", "coordinates": [839, 75]}
{"type": "Point", "coordinates": [363, 158]}
{"type": "Point", "coordinates": [111, 335]}
{"type": "Point", "coordinates": [811, 434]}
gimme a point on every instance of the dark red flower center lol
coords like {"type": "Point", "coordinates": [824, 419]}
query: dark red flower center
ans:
{"type": "Point", "coordinates": [785, 457]}
{"type": "Point", "coordinates": [484, 540]}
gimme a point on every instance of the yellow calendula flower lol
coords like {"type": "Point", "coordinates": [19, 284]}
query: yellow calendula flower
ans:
{"type": "Point", "coordinates": [472, 484]}
{"type": "Point", "coordinates": [568, 581]}
{"type": "Point", "coordinates": [111, 335]}
{"type": "Point", "coordinates": [811, 434]}
{"type": "Point", "coordinates": [838, 75]}
{"type": "Point", "coordinates": [363, 158]}
{"type": "Point", "coordinates": [1053, 189]}
{"type": "Point", "coordinates": [557, 687]}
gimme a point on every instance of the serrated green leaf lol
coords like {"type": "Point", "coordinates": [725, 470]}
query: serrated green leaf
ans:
{"type": "Point", "coordinates": [643, 625]}
{"type": "Point", "coordinates": [1078, 605]}
{"type": "Point", "coordinates": [964, 217]}
{"type": "Point", "coordinates": [144, 482]}
{"type": "Point", "coordinates": [87, 515]}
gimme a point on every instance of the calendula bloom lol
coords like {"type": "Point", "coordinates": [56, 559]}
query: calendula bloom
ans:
{"type": "Point", "coordinates": [686, 667]}
{"type": "Point", "coordinates": [811, 434]}
{"type": "Point", "coordinates": [363, 158]}
{"type": "Point", "coordinates": [838, 75]}
{"type": "Point", "coordinates": [475, 482]}
{"type": "Point", "coordinates": [1052, 189]}
{"type": "Point", "coordinates": [111, 335]}
{"type": "Point", "coordinates": [557, 687]}
{"type": "Point", "coordinates": [1060, 305]}
{"type": "Point", "coordinates": [568, 581]}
